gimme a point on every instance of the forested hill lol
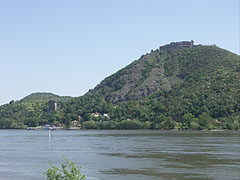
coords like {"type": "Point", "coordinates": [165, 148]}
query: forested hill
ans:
{"type": "Point", "coordinates": [19, 114]}
{"type": "Point", "coordinates": [162, 70]}
{"type": "Point", "coordinates": [40, 96]}
{"type": "Point", "coordinates": [194, 87]}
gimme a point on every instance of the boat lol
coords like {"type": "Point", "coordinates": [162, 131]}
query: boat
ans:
{"type": "Point", "coordinates": [48, 127]}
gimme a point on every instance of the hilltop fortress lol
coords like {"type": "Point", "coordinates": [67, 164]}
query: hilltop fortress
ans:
{"type": "Point", "coordinates": [177, 45]}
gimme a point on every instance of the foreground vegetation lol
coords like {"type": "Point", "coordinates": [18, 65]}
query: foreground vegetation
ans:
{"type": "Point", "coordinates": [185, 88]}
{"type": "Point", "coordinates": [68, 171]}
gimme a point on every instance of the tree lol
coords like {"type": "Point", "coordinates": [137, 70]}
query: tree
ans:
{"type": "Point", "coordinates": [194, 124]}
{"type": "Point", "coordinates": [31, 121]}
{"type": "Point", "coordinates": [169, 123]}
{"type": "Point", "coordinates": [186, 120]}
{"type": "Point", "coordinates": [68, 171]}
{"type": "Point", "coordinates": [90, 124]}
{"type": "Point", "coordinates": [205, 121]}
{"type": "Point", "coordinates": [6, 123]}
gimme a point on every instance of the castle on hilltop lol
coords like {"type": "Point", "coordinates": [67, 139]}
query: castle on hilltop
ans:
{"type": "Point", "coordinates": [177, 44]}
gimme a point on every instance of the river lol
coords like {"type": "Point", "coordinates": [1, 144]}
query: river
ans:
{"type": "Point", "coordinates": [122, 154]}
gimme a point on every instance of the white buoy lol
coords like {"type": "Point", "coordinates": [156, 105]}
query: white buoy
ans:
{"type": "Point", "coordinates": [49, 139]}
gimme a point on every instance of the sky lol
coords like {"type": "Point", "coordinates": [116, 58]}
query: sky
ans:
{"type": "Point", "coordinates": [67, 47]}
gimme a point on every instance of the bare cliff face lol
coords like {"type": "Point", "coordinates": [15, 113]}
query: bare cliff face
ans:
{"type": "Point", "coordinates": [158, 71]}
{"type": "Point", "coordinates": [137, 80]}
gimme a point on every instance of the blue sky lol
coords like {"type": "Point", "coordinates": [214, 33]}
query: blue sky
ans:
{"type": "Point", "coordinates": [68, 46]}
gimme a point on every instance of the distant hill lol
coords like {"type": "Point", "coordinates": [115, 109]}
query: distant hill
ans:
{"type": "Point", "coordinates": [25, 112]}
{"type": "Point", "coordinates": [178, 86]}
{"type": "Point", "coordinates": [45, 97]}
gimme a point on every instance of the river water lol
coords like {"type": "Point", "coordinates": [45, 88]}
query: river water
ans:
{"type": "Point", "coordinates": [122, 155]}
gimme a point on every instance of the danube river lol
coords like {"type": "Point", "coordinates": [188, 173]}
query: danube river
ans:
{"type": "Point", "coordinates": [122, 155]}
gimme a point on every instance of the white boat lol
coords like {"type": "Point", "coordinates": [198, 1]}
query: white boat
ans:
{"type": "Point", "coordinates": [48, 127]}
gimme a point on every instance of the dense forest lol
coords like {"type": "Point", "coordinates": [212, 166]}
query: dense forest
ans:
{"type": "Point", "coordinates": [181, 88]}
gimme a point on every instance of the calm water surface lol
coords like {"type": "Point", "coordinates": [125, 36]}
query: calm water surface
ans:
{"type": "Point", "coordinates": [122, 155]}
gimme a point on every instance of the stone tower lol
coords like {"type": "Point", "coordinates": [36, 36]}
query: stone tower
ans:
{"type": "Point", "coordinates": [52, 105]}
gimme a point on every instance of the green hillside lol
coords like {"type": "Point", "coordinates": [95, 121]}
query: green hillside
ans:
{"type": "Point", "coordinates": [161, 70]}
{"type": "Point", "coordinates": [176, 88]}
{"type": "Point", "coordinates": [171, 89]}
{"type": "Point", "coordinates": [45, 97]}
{"type": "Point", "coordinates": [27, 111]}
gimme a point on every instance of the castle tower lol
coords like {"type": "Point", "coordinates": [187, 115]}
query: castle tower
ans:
{"type": "Point", "coordinates": [52, 105]}
{"type": "Point", "coordinates": [192, 42]}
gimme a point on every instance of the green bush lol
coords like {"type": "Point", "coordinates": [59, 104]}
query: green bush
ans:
{"type": "Point", "coordinates": [130, 124]}
{"type": "Point", "coordinates": [90, 124]}
{"type": "Point", "coordinates": [194, 124]}
{"type": "Point", "coordinates": [68, 171]}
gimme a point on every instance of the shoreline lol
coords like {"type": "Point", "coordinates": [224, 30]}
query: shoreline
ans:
{"type": "Point", "coordinates": [84, 129]}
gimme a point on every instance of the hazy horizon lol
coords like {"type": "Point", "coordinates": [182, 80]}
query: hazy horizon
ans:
{"type": "Point", "coordinates": [68, 47]}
